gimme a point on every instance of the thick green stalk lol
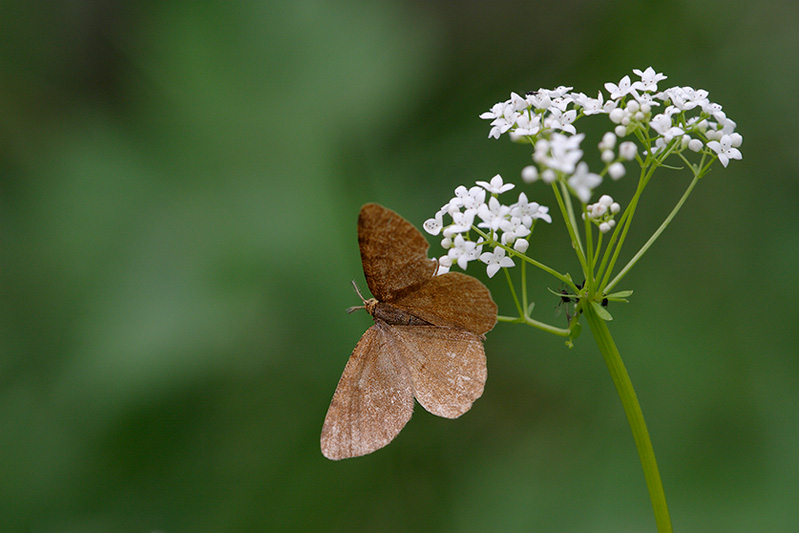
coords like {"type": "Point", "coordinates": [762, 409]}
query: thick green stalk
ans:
{"type": "Point", "coordinates": [635, 417]}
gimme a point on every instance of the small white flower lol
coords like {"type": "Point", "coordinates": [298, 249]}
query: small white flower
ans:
{"type": "Point", "coordinates": [618, 91]}
{"type": "Point", "coordinates": [513, 229]}
{"type": "Point", "coordinates": [584, 182]}
{"type": "Point", "coordinates": [591, 106]}
{"type": "Point", "coordinates": [521, 245]}
{"type": "Point", "coordinates": [543, 214]}
{"type": "Point", "coordinates": [504, 119]}
{"type": "Point", "coordinates": [562, 152]}
{"type": "Point", "coordinates": [450, 231]}
{"type": "Point", "coordinates": [663, 125]}
{"type": "Point", "coordinates": [649, 79]}
{"type": "Point", "coordinates": [539, 100]}
{"type": "Point", "coordinates": [495, 261]}
{"type": "Point", "coordinates": [496, 111]}
{"type": "Point", "coordinates": [685, 98]}
{"type": "Point", "coordinates": [475, 199]}
{"type": "Point", "coordinates": [433, 225]}
{"type": "Point", "coordinates": [517, 102]}
{"type": "Point", "coordinates": [560, 91]}
{"type": "Point", "coordinates": [461, 192]}
{"type": "Point", "coordinates": [496, 186]}
{"type": "Point", "coordinates": [444, 264]}
{"type": "Point", "coordinates": [558, 120]}
{"type": "Point", "coordinates": [462, 251]}
{"type": "Point", "coordinates": [604, 227]}
{"type": "Point", "coordinates": [492, 214]}
{"type": "Point", "coordinates": [725, 150]}
{"type": "Point", "coordinates": [529, 211]}
{"type": "Point", "coordinates": [527, 125]}
{"type": "Point", "coordinates": [462, 222]}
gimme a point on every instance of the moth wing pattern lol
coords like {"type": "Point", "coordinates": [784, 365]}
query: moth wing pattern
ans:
{"type": "Point", "coordinates": [393, 253]}
{"type": "Point", "coordinates": [373, 400]}
{"type": "Point", "coordinates": [447, 367]}
{"type": "Point", "coordinates": [452, 299]}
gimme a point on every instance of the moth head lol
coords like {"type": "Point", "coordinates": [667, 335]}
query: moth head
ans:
{"type": "Point", "coordinates": [369, 304]}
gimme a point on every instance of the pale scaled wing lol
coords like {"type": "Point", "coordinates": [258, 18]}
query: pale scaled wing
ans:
{"type": "Point", "coordinates": [373, 400]}
{"type": "Point", "coordinates": [452, 299]}
{"type": "Point", "coordinates": [447, 367]}
{"type": "Point", "coordinates": [393, 252]}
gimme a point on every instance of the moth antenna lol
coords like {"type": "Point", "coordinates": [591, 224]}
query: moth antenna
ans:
{"type": "Point", "coordinates": [358, 292]}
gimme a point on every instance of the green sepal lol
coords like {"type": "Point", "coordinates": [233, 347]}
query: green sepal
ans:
{"type": "Point", "coordinates": [620, 296]}
{"type": "Point", "coordinates": [601, 311]}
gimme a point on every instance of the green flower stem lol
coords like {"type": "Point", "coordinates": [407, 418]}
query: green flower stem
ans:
{"type": "Point", "coordinates": [513, 293]}
{"type": "Point", "coordinates": [561, 332]}
{"type": "Point", "coordinates": [567, 211]}
{"type": "Point", "coordinates": [635, 417]}
{"type": "Point", "coordinates": [654, 236]}
{"type": "Point", "coordinates": [621, 231]}
{"type": "Point", "coordinates": [647, 169]}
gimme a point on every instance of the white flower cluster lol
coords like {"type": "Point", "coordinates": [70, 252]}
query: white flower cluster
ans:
{"type": "Point", "coordinates": [603, 212]}
{"type": "Point", "coordinates": [546, 118]}
{"type": "Point", "coordinates": [510, 225]}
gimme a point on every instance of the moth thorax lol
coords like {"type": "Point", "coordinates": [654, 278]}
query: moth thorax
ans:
{"type": "Point", "coordinates": [393, 315]}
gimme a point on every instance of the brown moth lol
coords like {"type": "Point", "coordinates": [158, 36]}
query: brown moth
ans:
{"type": "Point", "coordinates": [427, 340]}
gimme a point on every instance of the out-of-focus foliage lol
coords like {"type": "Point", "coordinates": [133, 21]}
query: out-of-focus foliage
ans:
{"type": "Point", "coordinates": [179, 184]}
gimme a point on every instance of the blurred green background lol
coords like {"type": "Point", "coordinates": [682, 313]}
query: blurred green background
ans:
{"type": "Point", "coordinates": [179, 186]}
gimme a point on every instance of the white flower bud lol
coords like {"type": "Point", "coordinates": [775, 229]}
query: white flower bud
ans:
{"type": "Point", "coordinates": [529, 174]}
{"type": "Point", "coordinates": [627, 150]}
{"type": "Point", "coordinates": [616, 170]}
{"type": "Point", "coordinates": [695, 145]}
{"type": "Point", "coordinates": [608, 141]}
{"type": "Point", "coordinates": [615, 116]}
